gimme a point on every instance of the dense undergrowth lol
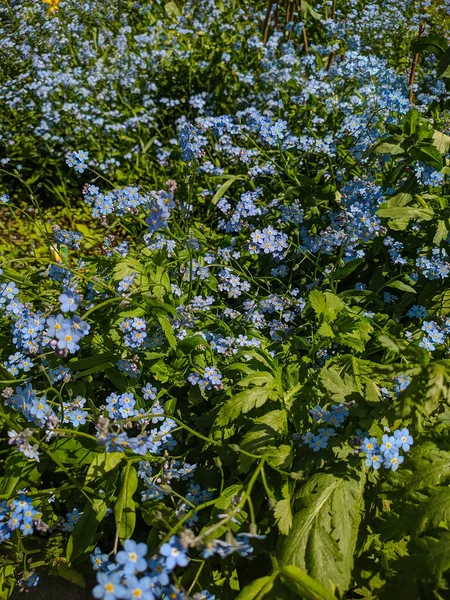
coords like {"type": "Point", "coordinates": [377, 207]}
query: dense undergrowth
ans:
{"type": "Point", "coordinates": [224, 313]}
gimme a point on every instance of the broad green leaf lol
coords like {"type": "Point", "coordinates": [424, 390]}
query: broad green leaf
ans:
{"type": "Point", "coordinates": [338, 387]}
{"type": "Point", "coordinates": [441, 232]}
{"type": "Point", "coordinates": [407, 212]}
{"type": "Point", "coordinates": [441, 141]}
{"type": "Point", "coordinates": [325, 529]}
{"type": "Point", "coordinates": [426, 465]}
{"type": "Point", "coordinates": [103, 463]}
{"type": "Point", "coordinates": [411, 121]}
{"type": "Point", "coordinates": [83, 533]}
{"type": "Point", "coordinates": [125, 507]}
{"type": "Point", "coordinates": [390, 145]}
{"type": "Point", "coordinates": [276, 419]}
{"type": "Point", "coordinates": [326, 304]}
{"type": "Point", "coordinates": [73, 451]}
{"type": "Point", "coordinates": [280, 457]}
{"type": "Point", "coordinates": [172, 9]}
{"type": "Point", "coordinates": [346, 270]}
{"type": "Point", "coordinates": [256, 589]}
{"type": "Point", "coordinates": [224, 188]}
{"type": "Point", "coordinates": [443, 68]}
{"type": "Point", "coordinates": [317, 301]}
{"type": "Point", "coordinates": [427, 154]}
{"type": "Point", "coordinates": [307, 587]}
{"type": "Point", "coordinates": [432, 43]}
{"type": "Point", "coordinates": [243, 403]}
{"type": "Point", "coordinates": [168, 331]}
{"type": "Point", "coordinates": [403, 287]}
{"type": "Point", "coordinates": [7, 581]}
{"type": "Point", "coordinates": [71, 575]}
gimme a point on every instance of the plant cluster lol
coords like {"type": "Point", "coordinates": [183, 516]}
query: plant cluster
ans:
{"type": "Point", "coordinates": [216, 369]}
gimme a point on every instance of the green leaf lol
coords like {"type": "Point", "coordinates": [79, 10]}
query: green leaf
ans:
{"type": "Point", "coordinates": [172, 9]}
{"type": "Point", "coordinates": [421, 574]}
{"type": "Point", "coordinates": [403, 287]}
{"type": "Point", "coordinates": [389, 145]}
{"type": "Point", "coordinates": [441, 141]}
{"type": "Point", "coordinates": [73, 451]}
{"type": "Point", "coordinates": [7, 581]}
{"type": "Point", "coordinates": [71, 575]}
{"type": "Point", "coordinates": [283, 512]}
{"type": "Point", "coordinates": [280, 457]}
{"type": "Point", "coordinates": [168, 331]}
{"type": "Point", "coordinates": [443, 68]}
{"type": "Point", "coordinates": [224, 188]}
{"type": "Point", "coordinates": [411, 121]}
{"type": "Point", "coordinates": [346, 270]}
{"type": "Point", "coordinates": [431, 43]}
{"type": "Point", "coordinates": [103, 463]}
{"type": "Point", "coordinates": [426, 465]}
{"type": "Point", "coordinates": [257, 589]}
{"type": "Point", "coordinates": [326, 304]}
{"type": "Point", "coordinates": [324, 532]}
{"type": "Point", "coordinates": [276, 419]}
{"type": "Point", "coordinates": [427, 154]}
{"type": "Point", "coordinates": [125, 507]}
{"type": "Point", "coordinates": [406, 212]}
{"type": "Point", "coordinates": [242, 403]}
{"type": "Point", "coordinates": [83, 533]}
{"type": "Point", "coordinates": [307, 587]}
{"type": "Point", "coordinates": [441, 232]}
{"type": "Point", "coordinates": [338, 387]}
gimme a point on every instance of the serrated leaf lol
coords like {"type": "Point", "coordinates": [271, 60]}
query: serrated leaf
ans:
{"type": "Point", "coordinates": [421, 574]}
{"type": "Point", "coordinates": [276, 419]}
{"type": "Point", "coordinates": [338, 387]}
{"type": "Point", "coordinates": [242, 403]}
{"type": "Point", "coordinates": [280, 457]}
{"type": "Point", "coordinates": [325, 529]}
{"type": "Point", "coordinates": [441, 232]}
{"type": "Point", "coordinates": [283, 515]}
{"type": "Point", "coordinates": [441, 142]}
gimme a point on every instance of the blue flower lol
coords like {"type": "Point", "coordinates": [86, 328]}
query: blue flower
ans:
{"type": "Point", "coordinates": [174, 553]}
{"type": "Point", "coordinates": [373, 460]}
{"type": "Point", "coordinates": [393, 460]}
{"type": "Point", "coordinates": [404, 440]}
{"type": "Point", "coordinates": [139, 589]}
{"type": "Point", "coordinates": [109, 587]}
{"type": "Point", "coordinates": [69, 301]}
{"type": "Point", "coordinates": [132, 557]}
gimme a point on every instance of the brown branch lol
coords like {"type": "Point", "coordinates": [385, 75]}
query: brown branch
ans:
{"type": "Point", "coordinates": [414, 66]}
{"type": "Point", "coordinates": [267, 22]}
{"type": "Point", "coordinates": [332, 53]}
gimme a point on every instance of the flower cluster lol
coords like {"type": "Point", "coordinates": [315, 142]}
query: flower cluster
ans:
{"type": "Point", "coordinates": [388, 452]}
{"type": "Point", "coordinates": [18, 514]}
{"type": "Point", "coordinates": [334, 417]}
{"type": "Point", "coordinates": [211, 380]}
